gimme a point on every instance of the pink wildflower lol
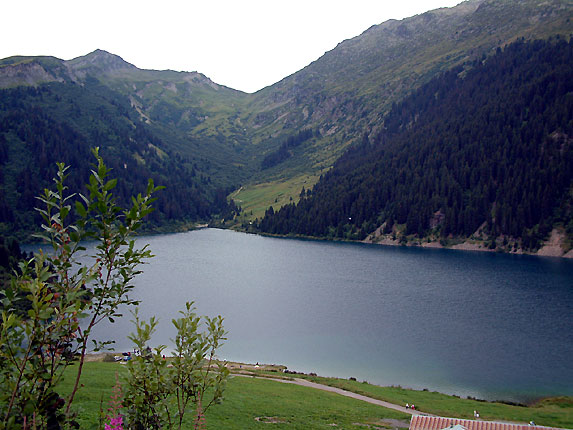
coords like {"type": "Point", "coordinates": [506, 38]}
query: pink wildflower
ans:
{"type": "Point", "coordinates": [115, 423]}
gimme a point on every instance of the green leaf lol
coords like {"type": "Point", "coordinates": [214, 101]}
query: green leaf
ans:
{"type": "Point", "coordinates": [64, 212]}
{"type": "Point", "coordinates": [110, 184]}
{"type": "Point", "coordinates": [81, 209]}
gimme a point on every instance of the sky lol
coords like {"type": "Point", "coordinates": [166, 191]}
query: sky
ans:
{"type": "Point", "coordinates": [243, 44]}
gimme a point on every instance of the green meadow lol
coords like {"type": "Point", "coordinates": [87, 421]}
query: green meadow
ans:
{"type": "Point", "coordinates": [553, 412]}
{"type": "Point", "coordinates": [255, 403]}
{"type": "Point", "coordinates": [249, 403]}
{"type": "Point", "coordinates": [256, 199]}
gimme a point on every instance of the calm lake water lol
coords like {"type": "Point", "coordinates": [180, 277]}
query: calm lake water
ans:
{"type": "Point", "coordinates": [487, 325]}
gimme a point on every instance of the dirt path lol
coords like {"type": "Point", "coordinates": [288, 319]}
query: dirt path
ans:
{"type": "Point", "coordinates": [342, 392]}
{"type": "Point", "coordinates": [305, 383]}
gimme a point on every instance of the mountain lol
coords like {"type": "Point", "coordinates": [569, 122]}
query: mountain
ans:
{"type": "Point", "coordinates": [173, 104]}
{"type": "Point", "coordinates": [100, 62]}
{"type": "Point", "coordinates": [66, 108]}
{"type": "Point", "coordinates": [485, 151]}
{"type": "Point", "coordinates": [348, 90]}
{"type": "Point", "coordinates": [266, 146]}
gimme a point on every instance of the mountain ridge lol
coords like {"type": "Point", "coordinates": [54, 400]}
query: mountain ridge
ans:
{"type": "Point", "coordinates": [350, 103]}
{"type": "Point", "coordinates": [341, 97]}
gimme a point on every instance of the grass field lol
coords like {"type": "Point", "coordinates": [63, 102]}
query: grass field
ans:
{"type": "Point", "coordinates": [557, 412]}
{"type": "Point", "coordinates": [258, 198]}
{"type": "Point", "coordinates": [253, 403]}
{"type": "Point", "coordinates": [250, 403]}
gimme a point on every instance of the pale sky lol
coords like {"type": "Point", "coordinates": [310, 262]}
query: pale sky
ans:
{"type": "Point", "coordinates": [245, 45]}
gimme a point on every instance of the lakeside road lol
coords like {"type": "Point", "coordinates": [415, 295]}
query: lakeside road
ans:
{"type": "Point", "coordinates": [305, 383]}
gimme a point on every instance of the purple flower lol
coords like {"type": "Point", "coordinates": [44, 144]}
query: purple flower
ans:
{"type": "Point", "coordinates": [115, 423]}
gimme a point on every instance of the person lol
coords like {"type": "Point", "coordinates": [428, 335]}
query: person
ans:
{"type": "Point", "coordinates": [407, 406]}
{"type": "Point", "coordinates": [413, 407]}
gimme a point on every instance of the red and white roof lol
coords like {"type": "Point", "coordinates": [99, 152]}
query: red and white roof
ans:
{"type": "Point", "coordinates": [421, 422]}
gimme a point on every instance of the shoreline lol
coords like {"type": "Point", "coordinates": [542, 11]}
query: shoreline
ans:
{"type": "Point", "coordinates": [474, 247]}
{"type": "Point", "coordinates": [463, 246]}
{"type": "Point", "coordinates": [281, 373]}
{"type": "Point", "coordinates": [551, 247]}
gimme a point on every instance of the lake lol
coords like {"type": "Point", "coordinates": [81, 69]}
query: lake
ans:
{"type": "Point", "coordinates": [487, 325]}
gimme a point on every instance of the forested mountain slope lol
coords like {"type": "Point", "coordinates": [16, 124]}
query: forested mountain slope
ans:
{"type": "Point", "coordinates": [484, 149]}
{"type": "Point", "coordinates": [61, 122]}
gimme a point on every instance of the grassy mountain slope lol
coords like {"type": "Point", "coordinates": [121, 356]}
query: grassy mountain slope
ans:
{"type": "Point", "coordinates": [192, 114]}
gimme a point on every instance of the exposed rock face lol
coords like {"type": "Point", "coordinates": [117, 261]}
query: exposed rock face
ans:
{"type": "Point", "coordinates": [29, 73]}
{"type": "Point", "coordinates": [37, 70]}
{"type": "Point", "coordinates": [553, 247]}
{"type": "Point", "coordinates": [32, 71]}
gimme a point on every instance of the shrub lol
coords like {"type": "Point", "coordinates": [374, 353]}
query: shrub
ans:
{"type": "Point", "coordinates": [40, 330]}
{"type": "Point", "coordinates": [159, 391]}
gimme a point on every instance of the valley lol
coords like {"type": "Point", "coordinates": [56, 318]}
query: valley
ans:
{"type": "Point", "coordinates": [208, 143]}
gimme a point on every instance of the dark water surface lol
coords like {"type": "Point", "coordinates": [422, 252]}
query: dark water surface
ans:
{"type": "Point", "coordinates": [487, 325]}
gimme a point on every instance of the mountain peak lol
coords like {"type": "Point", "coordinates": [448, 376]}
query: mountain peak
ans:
{"type": "Point", "coordinates": [102, 61]}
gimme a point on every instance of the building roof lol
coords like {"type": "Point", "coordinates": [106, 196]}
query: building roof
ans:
{"type": "Point", "coordinates": [458, 427]}
{"type": "Point", "coordinates": [422, 422]}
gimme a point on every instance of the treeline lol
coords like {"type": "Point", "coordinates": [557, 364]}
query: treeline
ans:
{"type": "Point", "coordinates": [10, 257]}
{"type": "Point", "coordinates": [489, 144]}
{"type": "Point", "coordinates": [61, 123]}
{"type": "Point", "coordinates": [10, 254]}
{"type": "Point", "coordinates": [283, 152]}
